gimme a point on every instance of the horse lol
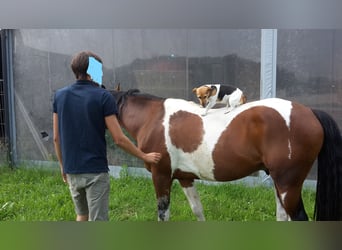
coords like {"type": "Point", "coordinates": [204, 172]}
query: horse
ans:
{"type": "Point", "coordinates": [281, 137]}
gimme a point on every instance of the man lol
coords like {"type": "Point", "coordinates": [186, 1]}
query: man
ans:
{"type": "Point", "coordinates": [81, 114]}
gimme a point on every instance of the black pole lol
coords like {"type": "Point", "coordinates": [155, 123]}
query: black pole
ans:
{"type": "Point", "coordinates": [7, 70]}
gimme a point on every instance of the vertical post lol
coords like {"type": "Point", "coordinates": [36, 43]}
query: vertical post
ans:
{"type": "Point", "coordinates": [187, 86]}
{"type": "Point", "coordinates": [268, 63]}
{"type": "Point", "coordinates": [268, 73]}
{"type": "Point", "coordinates": [9, 95]}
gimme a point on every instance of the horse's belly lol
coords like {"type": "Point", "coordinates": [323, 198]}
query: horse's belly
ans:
{"type": "Point", "coordinates": [230, 172]}
{"type": "Point", "coordinates": [199, 162]}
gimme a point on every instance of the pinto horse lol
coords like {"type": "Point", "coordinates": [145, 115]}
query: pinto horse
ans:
{"type": "Point", "coordinates": [278, 136]}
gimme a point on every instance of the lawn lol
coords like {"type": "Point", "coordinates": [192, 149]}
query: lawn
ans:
{"type": "Point", "coordinates": [36, 194]}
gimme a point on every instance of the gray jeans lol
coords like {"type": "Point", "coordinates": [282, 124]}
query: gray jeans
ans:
{"type": "Point", "coordinates": [90, 194]}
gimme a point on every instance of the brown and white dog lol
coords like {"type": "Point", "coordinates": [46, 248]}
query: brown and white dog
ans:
{"type": "Point", "coordinates": [209, 95]}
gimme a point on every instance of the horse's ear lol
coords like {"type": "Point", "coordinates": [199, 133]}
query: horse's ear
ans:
{"type": "Point", "coordinates": [117, 88]}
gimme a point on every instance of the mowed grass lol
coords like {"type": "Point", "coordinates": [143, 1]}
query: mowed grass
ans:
{"type": "Point", "coordinates": [35, 194]}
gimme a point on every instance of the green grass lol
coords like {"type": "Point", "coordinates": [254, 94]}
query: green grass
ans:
{"type": "Point", "coordinates": [33, 194]}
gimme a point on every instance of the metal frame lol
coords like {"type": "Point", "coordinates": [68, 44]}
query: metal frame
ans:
{"type": "Point", "coordinates": [268, 63]}
{"type": "Point", "coordinates": [7, 65]}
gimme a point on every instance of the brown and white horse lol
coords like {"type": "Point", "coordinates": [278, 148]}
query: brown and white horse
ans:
{"type": "Point", "coordinates": [278, 136]}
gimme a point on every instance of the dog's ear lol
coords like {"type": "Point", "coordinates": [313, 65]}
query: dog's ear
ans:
{"type": "Point", "coordinates": [243, 99]}
{"type": "Point", "coordinates": [212, 90]}
{"type": "Point", "coordinates": [194, 90]}
{"type": "Point", "coordinates": [117, 88]}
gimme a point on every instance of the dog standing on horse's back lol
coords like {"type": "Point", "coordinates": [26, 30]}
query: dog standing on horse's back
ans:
{"type": "Point", "coordinates": [209, 95]}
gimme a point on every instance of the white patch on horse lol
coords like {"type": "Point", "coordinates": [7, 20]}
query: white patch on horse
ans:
{"type": "Point", "coordinates": [281, 213]}
{"type": "Point", "coordinates": [195, 203]}
{"type": "Point", "coordinates": [283, 196]}
{"type": "Point", "coordinates": [166, 215]}
{"type": "Point", "coordinates": [283, 107]}
{"type": "Point", "coordinates": [290, 149]}
{"type": "Point", "coordinates": [200, 162]}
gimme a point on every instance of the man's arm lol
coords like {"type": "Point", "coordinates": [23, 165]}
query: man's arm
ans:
{"type": "Point", "coordinates": [56, 142]}
{"type": "Point", "coordinates": [125, 143]}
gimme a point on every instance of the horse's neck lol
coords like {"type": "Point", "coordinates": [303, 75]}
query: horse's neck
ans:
{"type": "Point", "coordinates": [136, 113]}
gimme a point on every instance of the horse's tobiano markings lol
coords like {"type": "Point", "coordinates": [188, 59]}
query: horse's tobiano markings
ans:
{"type": "Point", "coordinates": [192, 130]}
{"type": "Point", "coordinates": [281, 137]}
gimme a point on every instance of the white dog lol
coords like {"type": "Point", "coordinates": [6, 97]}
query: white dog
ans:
{"type": "Point", "coordinates": [209, 95]}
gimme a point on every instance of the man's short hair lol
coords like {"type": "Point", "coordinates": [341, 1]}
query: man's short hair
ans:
{"type": "Point", "coordinates": [80, 63]}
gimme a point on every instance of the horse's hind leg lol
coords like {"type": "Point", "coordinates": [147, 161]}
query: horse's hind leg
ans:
{"type": "Point", "coordinates": [280, 213]}
{"type": "Point", "coordinates": [194, 200]}
{"type": "Point", "coordinates": [290, 204]}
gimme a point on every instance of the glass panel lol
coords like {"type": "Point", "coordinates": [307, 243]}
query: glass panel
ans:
{"type": "Point", "coordinates": [153, 61]}
{"type": "Point", "coordinates": [309, 69]}
{"type": "Point", "coordinates": [225, 56]}
{"type": "Point", "coordinates": [41, 65]}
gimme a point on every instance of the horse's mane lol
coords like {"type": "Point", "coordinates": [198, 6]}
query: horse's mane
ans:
{"type": "Point", "coordinates": [122, 97]}
{"type": "Point", "coordinates": [136, 92]}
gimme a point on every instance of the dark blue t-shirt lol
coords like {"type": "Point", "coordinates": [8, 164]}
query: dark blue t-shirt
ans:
{"type": "Point", "coordinates": [82, 108]}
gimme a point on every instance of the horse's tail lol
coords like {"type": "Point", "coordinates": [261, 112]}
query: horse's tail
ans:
{"type": "Point", "coordinates": [329, 171]}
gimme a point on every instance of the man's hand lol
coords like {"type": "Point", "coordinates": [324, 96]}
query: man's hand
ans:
{"type": "Point", "coordinates": [152, 157]}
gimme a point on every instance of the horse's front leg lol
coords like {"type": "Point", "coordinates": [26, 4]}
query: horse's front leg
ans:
{"type": "Point", "coordinates": [193, 197]}
{"type": "Point", "coordinates": [162, 186]}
